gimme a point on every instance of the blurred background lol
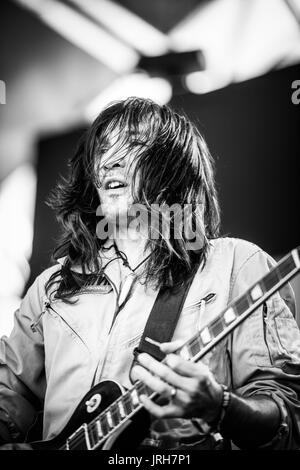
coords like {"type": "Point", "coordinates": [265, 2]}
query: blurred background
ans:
{"type": "Point", "coordinates": [231, 65]}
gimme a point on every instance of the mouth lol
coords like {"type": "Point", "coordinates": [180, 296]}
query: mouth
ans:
{"type": "Point", "coordinates": [114, 183]}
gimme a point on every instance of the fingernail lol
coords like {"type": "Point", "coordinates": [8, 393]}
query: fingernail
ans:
{"type": "Point", "coordinates": [152, 341]}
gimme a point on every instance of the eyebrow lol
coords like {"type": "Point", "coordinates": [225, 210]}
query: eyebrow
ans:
{"type": "Point", "coordinates": [103, 143]}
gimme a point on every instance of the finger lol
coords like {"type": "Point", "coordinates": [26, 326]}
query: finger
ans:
{"type": "Point", "coordinates": [167, 411]}
{"type": "Point", "coordinates": [186, 368]}
{"type": "Point", "coordinates": [162, 371]}
{"type": "Point", "coordinates": [172, 346]}
{"type": "Point", "coordinates": [155, 383]}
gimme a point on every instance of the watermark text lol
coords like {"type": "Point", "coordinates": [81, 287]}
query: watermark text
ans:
{"type": "Point", "coordinates": [2, 92]}
{"type": "Point", "coordinates": [296, 94]}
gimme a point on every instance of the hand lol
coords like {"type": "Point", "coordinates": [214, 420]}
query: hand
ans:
{"type": "Point", "coordinates": [198, 394]}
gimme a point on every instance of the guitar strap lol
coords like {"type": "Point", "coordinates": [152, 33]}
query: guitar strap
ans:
{"type": "Point", "coordinates": [163, 319]}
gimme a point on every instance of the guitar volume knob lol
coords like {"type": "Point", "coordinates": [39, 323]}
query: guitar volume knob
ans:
{"type": "Point", "coordinates": [93, 403]}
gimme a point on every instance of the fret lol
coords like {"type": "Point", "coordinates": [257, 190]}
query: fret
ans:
{"type": "Point", "coordinates": [217, 326]}
{"type": "Point", "coordinates": [104, 424]}
{"type": "Point", "coordinates": [242, 304]}
{"type": "Point", "coordinates": [296, 257]}
{"type": "Point", "coordinates": [270, 280]}
{"type": "Point", "coordinates": [115, 414]}
{"type": "Point", "coordinates": [286, 266]}
{"type": "Point", "coordinates": [93, 434]}
{"type": "Point", "coordinates": [127, 404]}
{"type": "Point", "coordinates": [135, 397]}
{"type": "Point", "coordinates": [109, 419]}
{"type": "Point", "coordinates": [87, 436]}
{"type": "Point", "coordinates": [79, 440]}
{"type": "Point", "coordinates": [256, 292]}
{"type": "Point", "coordinates": [195, 345]}
{"type": "Point", "coordinates": [229, 316]}
{"type": "Point", "coordinates": [121, 409]}
{"type": "Point", "coordinates": [99, 428]}
{"type": "Point", "coordinates": [185, 352]}
{"type": "Point", "coordinates": [206, 335]}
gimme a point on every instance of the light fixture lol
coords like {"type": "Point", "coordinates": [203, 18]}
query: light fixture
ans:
{"type": "Point", "coordinates": [127, 26]}
{"type": "Point", "coordinates": [84, 33]}
{"type": "Point", "coordinates": [136, 84]}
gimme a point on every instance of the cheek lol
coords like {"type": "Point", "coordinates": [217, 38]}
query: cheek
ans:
{"type": "Point", "coordinates": [100, 194]}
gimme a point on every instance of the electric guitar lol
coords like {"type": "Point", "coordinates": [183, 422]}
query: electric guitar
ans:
{"type": "Point", "coordinates": [110, 417]}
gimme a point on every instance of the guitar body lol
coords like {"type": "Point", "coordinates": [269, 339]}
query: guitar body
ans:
{"type": "Point", "coordinates": [93, 403]}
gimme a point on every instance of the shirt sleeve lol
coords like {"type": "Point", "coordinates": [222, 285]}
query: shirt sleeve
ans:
{"type": "Point", "coordinates": [22, 377]}
{"type": "Point", "coordinates": [265, 350]}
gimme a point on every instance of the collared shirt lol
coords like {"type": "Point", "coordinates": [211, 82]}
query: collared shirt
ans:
{"type": "Point", "coordinates": [57, 351]}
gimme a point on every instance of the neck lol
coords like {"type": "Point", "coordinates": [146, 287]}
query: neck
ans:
{"type": "Point", "coordinates": [132, 243]}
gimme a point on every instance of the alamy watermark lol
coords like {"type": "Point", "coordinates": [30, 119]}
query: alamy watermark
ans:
{"type": "Point", "coordinates": [157, 222]}
{"type": "Point", "coordinates": [2, 92]}
{"type": "Point", "coordinates": [296, 94]}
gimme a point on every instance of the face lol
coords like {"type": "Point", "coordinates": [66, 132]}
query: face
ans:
{"type": "Point", "coordinates": [115, 176]}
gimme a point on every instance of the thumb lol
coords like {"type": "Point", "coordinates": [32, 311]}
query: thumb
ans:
{"type": "Point", "coordinates": [172, 346]}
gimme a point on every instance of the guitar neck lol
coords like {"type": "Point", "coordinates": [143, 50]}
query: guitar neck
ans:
{"type": "Point", "coordinates": [128, 404]}
{"type": "Point", "coordinates": [238, 310]}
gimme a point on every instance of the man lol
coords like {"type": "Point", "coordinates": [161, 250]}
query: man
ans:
{"type": "Point", "coordinates": [82, 318]}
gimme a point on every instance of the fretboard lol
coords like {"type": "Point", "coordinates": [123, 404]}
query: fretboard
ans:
{"type": "Point", "coordinates": [91, 435]}
{"type": "Point", "coordinates": [238, 310]}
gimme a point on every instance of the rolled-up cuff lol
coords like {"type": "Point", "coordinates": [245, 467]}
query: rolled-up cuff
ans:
{"type": "Point", "coordinates": [283, 428]}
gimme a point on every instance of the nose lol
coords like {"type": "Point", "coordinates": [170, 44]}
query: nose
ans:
{"type": "Point", "coordinates": [116, 164]}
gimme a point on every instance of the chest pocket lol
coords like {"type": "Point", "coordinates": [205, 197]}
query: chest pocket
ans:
{"type": "Point", "coordinates": [62, 331]}
{"type": "Point", "coordinates": [281, 333]}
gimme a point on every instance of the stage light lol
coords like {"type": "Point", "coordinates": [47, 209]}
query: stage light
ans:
{"type": "Point", "coordinates": [84, 34]}
{"type": "Point", "coordinates": [199, 82]}
{"type": "Point", "coordinates": [17, 197]}
{"type": "Point", "coordinates": [137, 84]}
{"type": "Point", "coordinates": [127, 26]}
{"type": "Point", "coordinates": [204, 82]}
{"type": "Point", "coordinates": [173, 63]}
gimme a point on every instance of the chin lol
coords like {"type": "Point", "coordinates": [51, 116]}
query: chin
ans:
{"type": "Point", "coordinates": [114, 209]}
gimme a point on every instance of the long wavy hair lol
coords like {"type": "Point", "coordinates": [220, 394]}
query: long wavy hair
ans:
{"type": "Point", "coordinates": [172, 165]}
